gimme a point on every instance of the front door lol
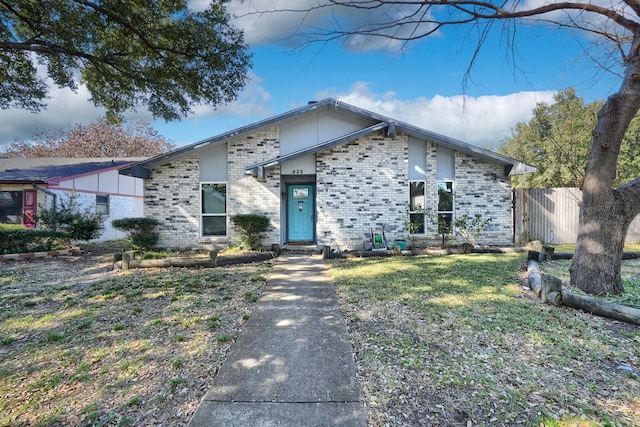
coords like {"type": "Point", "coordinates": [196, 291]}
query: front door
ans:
{"type": "Point", "coordinates": [29, 201]}
{"type": "Point", "coordinates": [300, 213]}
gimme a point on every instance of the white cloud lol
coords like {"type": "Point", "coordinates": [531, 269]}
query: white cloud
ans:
{"type": "Point", "coordinates": [295, 22]}
{"type": "Point", "coordinates": [483, 121]}
{"type": "Point", "coordinates": [65, 109]}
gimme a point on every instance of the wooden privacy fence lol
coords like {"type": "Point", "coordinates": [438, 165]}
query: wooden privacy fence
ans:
{"type": "Point", "coordinates": [551, 215]}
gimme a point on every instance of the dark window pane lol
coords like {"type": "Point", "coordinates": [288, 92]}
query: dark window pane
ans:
{"type": "Point", "coordinates": [214, 225]}
{"type": "Point", "coordinates": [445, 196]}
{"type": "Point", "coordinates": [444, 223]}
{"type": "Point", "coordinates": [417, 223]}
{"type": "Point", "coordinates": [416, 195]}
{"type": "Point", "coordinates": [11, 207]}
{"type": "Point", "coordinates": [102, 205]}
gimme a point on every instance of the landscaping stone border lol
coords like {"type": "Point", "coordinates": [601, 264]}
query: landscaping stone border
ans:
{"type": "Point", "coordinates": [47, 254]}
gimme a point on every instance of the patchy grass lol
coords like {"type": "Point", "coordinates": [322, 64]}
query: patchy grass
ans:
{"type": "Point", "coordinates": [455, 340]}
{"type": "Point", "coordinates": [86, 346]}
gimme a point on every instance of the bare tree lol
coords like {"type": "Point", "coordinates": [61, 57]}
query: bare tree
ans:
{"type": "Point", "coordinates": [98, 139]}
{"type": "Point", "coordinates": [606, 212]}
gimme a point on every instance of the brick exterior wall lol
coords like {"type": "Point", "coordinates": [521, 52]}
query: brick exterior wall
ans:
{"type": "Point", "coordinates": [247, 194]}
{"type": "Point", "coordinates": [172, 196]}
{"type": "Point", "coordinates": [481, 188]}
{"type": "Point", "coordinates": [361, 185]}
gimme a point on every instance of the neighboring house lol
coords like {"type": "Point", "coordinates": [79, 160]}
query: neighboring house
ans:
{"type": "Point", "coordinates": [27, 185]}
{"type": "Point", "coordinates": [327, 174]}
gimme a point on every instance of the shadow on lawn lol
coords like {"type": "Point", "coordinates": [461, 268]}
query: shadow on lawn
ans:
{"type": "Point", "coordinates": [132, 349]}
{"type": "Point", "coordinates": [452, 339]}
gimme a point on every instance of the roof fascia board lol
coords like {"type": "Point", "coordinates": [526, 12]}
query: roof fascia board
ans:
{"type": "Point", "coordinates": [312, 107]}
{"type": "Point", "coordinates": [315, 148]}
{"type": "Point", "coordinates": [57, 180]}
{"type": "Point", "coordinates": [452, 143]}
{"type": "Point", "coordinates": [326, 104]}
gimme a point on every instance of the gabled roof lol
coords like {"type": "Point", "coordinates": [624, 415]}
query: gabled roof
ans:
{"type": "Point", "coordinates": [44, 170]}
{"type": "Point", "coordinates": [392, 126]}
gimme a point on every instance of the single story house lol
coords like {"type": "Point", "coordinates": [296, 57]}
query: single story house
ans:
{"type": "Point", "coordinates": [326, 174]}
{"type": "Point", "coordinates": [27, 184]}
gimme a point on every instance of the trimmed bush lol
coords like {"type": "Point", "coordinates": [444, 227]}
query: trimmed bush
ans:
{"type": "Point", "coordinates": [140, 231]}
{"type": "Point", "coordinates": [251, 228]}
{"type": "Point", "coordinates": [17, 239]}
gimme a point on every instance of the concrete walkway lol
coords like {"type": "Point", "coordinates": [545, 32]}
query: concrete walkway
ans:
{"type": "Point", "coordinates": [293, 363]}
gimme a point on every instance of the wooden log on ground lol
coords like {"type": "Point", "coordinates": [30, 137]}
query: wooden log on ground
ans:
{"type": "Point", "coordinates": [534, 255]}
{"type": "Point", "coordinates": [601, 308]}
{"type": "Point", "coordinates": [169, 262]}
{"type": "Point", "coordinates": [554, 298]}
{"type": "Point", "coordinates": [534, 278]}
{"type": "Point", "coordinates": [562, 255]}
{"type": "Point", "coordinates": [549, 284]}
{"type": "Point", "coordinates": [569, 255]}
{"type": "Point", "coordinates": [127, 258]}
{"type": "Point", "coordinates": [212, 261]}
{"type": "Point", "coordinates": [547, 253]}
{"type": "Point", "coordinates": [326, 252]}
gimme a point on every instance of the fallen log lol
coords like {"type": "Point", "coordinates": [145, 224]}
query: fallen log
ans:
{"type": "Point", "coordinates": [214, 260]}
{"type": "Point", "coordinates": [550, 285]}
{"type": "Point", "coordinates": [601, 308]}
{"type": "Point", "coordinates": [569, 255]}
{"type": "Point", "coordinates": [170, 262]}
{"type": "Point", "coordinates": [555, 298]}
{"type": "Point", "coordinates": [534, 278]}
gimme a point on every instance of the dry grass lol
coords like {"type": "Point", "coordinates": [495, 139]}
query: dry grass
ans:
{"type": "Point", "coordinates": [456, 340]}
{"type": "Point", "coordinates": [83, 345]}
{"type": "Point", "coordinates": [451, 340]}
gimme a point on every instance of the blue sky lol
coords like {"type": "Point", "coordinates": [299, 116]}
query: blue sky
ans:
{"type": "Point", "coordinates": [422, 85]}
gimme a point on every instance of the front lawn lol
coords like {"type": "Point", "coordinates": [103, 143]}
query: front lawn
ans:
{"type": "Point", "coordinates": [456, 340]}
{"type": "Point", "coordinates": [82, 345]}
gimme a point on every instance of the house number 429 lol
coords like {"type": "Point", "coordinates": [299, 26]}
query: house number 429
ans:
{"type": "Point", "coordinates": [298, 172]}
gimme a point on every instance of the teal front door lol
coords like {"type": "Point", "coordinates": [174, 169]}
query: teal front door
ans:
{"type": "Point", "coordinates": [300, 213]}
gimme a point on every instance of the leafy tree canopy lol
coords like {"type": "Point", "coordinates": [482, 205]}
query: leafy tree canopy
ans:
{"type": "Point", "coordinates": [129, 53]}
{"type": "Point", "coordinates": [98, 139]}
{"type": "Point", "coordinates": [557, 140]}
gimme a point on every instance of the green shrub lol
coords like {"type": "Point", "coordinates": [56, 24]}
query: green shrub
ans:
{"type": "Point", "coordinates": [69, 218]}
{"type": "Point", "coordinates": [470, 227]}
{"type": "Point", "coordinates": [251, 228]}
{"type": "Point", "coordinates": [20, 239]}
{"type": "Point", "coordinates": [140, 231]}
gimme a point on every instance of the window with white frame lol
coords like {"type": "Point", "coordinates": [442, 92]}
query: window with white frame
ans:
{"type": "Point", "coordinates": [416, 207]}
{"type": "Point", "coordinates": [102, 204]}
{"type": "Point", "coordinates": [445, 207]}
{"type": "Point", "coordinates": [213, 199]}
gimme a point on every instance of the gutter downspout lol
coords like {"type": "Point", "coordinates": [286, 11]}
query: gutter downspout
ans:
{"type": "Point", "coordinates": [50, 193]}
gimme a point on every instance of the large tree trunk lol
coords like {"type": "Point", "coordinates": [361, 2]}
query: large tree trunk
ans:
{"type": "Point", "coordinates": [606, 213]}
